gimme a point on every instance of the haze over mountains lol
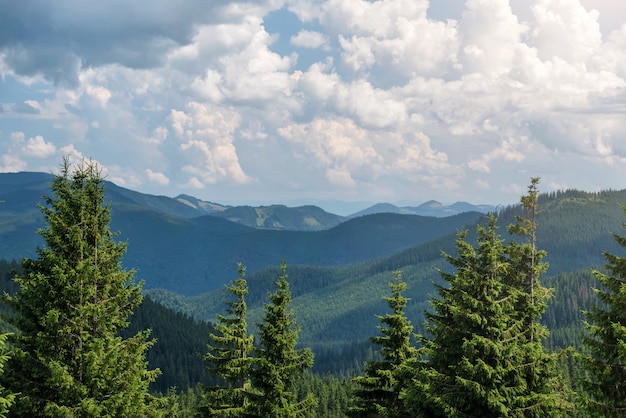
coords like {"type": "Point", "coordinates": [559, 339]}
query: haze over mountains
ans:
{"type": "Point", "coordinates": [191, 246]}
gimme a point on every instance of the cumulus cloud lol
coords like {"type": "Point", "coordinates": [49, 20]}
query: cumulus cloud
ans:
{"type": "Point", "coordinates": [137, 34]}
{"type": "Point", "coordinates": [206, 140]}
{"type": "Point", "coordinates": [198, 96]}
{"type": "Point", "coordinates": [100, 94]}
{"type": "Point", "coordinates": [310, 39]}
{"type": "Point", "coordinates": [157, 177]}
{"type": "Point", "coordinates": [38, 147]}
{"type": "Point", "coordinates": [390, 40]}
{"type": "Point", "coordinates": [11, 164]}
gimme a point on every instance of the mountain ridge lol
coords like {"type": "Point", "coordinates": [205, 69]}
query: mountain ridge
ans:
{"type": "Point", "coordinates": [173, 247]}
{"type": "Point", "coordinates": [429, 208]}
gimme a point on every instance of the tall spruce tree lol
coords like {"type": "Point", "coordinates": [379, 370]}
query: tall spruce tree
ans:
{"type": "Point", "coordinates": [604, 388]}
{"type": "Point", "coordinates": [229, 356]}
{"type": "Point", "coordinates": [279, 363]}
{"type": "Point", "coordinates": [7, 398]}
{"type": "Point", "coordinates": [544, 395]}
{"type": "Point", "coordinates": [473, 354]}
{"type": "Point", "coordinates": [72, 301]}
{"type": "Point", "coordinates": [379, 388]}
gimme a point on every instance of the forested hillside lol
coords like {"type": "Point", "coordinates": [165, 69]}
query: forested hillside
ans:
{"type": "Point", "coordinates": [161, 232]}
{"type": "Point", "coordinates": [337, 307]}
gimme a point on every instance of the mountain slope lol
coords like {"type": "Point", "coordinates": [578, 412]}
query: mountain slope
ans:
{"type": "Point", "coordinates": [280, 217]}
{"type": "Point", "coordinates": [193, 255]}
{"type": "Point", "coordinates": [337, 305]}
{"type": "Point", "coordinates": [430, 208]}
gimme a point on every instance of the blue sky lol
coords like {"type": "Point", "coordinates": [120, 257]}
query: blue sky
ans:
{"type": "Point", "coordinates": [310, 100]}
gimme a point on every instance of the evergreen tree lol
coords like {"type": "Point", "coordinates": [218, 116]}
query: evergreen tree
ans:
{"type": "Point", "coordinates": [544, 394]}
{"type": "Point", "coordinates": [473, 356]}
{"type": "Point", "coordinates": [229, 356]}
{"type": "Point", "coordinates": [378, 393]}
{"type": "Point", "coordinates": [279, 362]}
{"type": "Point", "coordinates": [72, 302]}
{"type": "Point", "coordinates": [6, 397]}
{"type": "Point", "coordinates": [604, 388]}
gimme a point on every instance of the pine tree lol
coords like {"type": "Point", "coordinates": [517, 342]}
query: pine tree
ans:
{"type": "Point", "coordinates": [378, 393]}
{"type": "Point", "coordinates": [472, 357]}
{"type": "Point", "coordinates": [279, 362]}
{"type": "Point", "coordinates": [229, 356]}
{"type": "Point", "coordinates": [604, 389]}
{"type": "Point", "coordinates": [7, 398]}
{"type": "Point", "coordinates": [544, 394]}
{"type": "Point", "coordinates": [72, 301]}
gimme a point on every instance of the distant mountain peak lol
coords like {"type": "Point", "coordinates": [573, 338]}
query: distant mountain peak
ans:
{"type": "Point", "coordinates": [429, 208]}
{"type": "Point", "coordinates": [208, 207]}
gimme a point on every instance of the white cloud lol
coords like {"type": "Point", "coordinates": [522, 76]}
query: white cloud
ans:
{"type": "Point", "coordinates": [157, 177]}
{"type": "Point", "coordinates": [393, 37]}
{"type": "Point", "coordinates": [310, 39]}
{"type": "Point", "coordinates": [206, 140]}
{"type": "Point", "coordinates": [490, 33]}
{"type": "Point", "coordinates": [509, 151]}
{"type": "Point", "coordinates": [10, 164]}
{"type": "Point", "coordinates": [100, 94]}
{"type": "Point", "coordinates": [38, 147]}
{"type": "Point", "coordinates": [565, 29]}
{"type": "Point", "coordinates": [366, 97]}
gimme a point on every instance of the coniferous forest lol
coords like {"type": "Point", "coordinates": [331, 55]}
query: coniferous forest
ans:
{"type": "Point", "coordinates": [497, 334]}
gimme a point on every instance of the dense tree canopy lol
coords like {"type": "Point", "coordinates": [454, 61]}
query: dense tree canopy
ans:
{"type": "Point", "coordinates": [483, 355]}
{"type": "Point", "coordinates": [229, 356]}
{"type": "Point", "coordinates": [472, 364]}
{"type": "Point", "coordinates": [71, 303]}
{"type": "Point", "coordinates": [279, 363]}
{"type": "Point", "coordinates": [379, 388]}
{"type": "Point", "coordinates": [605, 342]}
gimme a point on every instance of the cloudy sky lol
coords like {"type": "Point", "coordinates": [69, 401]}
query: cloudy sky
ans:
{"type": "Point", "coordinates": [274, 100]}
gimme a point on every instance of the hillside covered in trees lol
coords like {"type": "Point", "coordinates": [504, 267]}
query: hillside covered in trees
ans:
{"type": "Point", "coordinates": [364, 338]}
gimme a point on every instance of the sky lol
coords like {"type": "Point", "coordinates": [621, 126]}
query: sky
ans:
{"type": "Point", "coordinates": [280, 101]}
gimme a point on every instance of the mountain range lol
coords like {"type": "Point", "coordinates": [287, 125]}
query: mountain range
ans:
{"type": "Point", "coordinates": [337, 305]}
{"type": "Point", "coordinates": [190, 246]}
{"type": "Point", "coordinates": [338, 267]}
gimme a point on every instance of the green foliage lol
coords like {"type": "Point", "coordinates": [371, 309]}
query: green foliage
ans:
{"type": "Point", "coordinates": [473, 359]}
{"type": "Point", "coordinates": [72, 301]}
{"type": "Point", "coordinates": [279, 363]}
{"type": "Point", "coordinates": [280, 217]}
{"type": "Point", "coordinates": [378, 389]}
{"type": "Point", "coordinates": [7, 398]}
{"type": "Point", "coordinates": [332, 393]}
{"type": "Point", "coordinates": [229, 356]}
{"type": "Point", "coordinates": [604, 388]}
{"type": "Point", "coordinates": [179, 344]}
{"type": "Point", "coordinates": [573, 294]}
{"type": "Point", "coordinates": [544, 394]}
{"type": "Point", "coordinates": [485, 356]}
{"type": "Point", "coordinates": [161, 232]}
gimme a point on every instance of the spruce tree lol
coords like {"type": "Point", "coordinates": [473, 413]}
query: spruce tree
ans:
{"type": "Point", "coordinates": [544, 394]}
{"type": "Point", "coordinates": [378, 392]}
{"type": "Point", "coordinates": [472, 356]}
{"type": "Point", "coordinates": [7, 398]}
{"type": "Point", "coordinates": [72, 301]}
{"type": "Point", "coordinates": [604, 358]}
{"type": "Point", "coordinates": [229, 356]}
{"type": "Point", "coordinates": [279, 363]}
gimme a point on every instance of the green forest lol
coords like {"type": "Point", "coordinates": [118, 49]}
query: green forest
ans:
{"type": "Point", "coordinates": [504, 318]}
